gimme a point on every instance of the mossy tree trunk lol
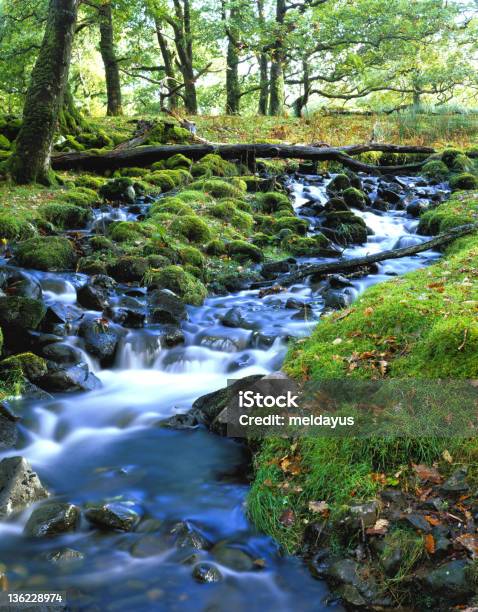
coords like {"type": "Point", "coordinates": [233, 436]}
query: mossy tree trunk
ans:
{"type": "Point", "coordinates": [31, 160]}
{"type": "Point", "coordinates": [233, 89]}
{"type": "Point", "coordinates": [70, 119]}
{"type": "Point", "coordinates": [263, 60]}
{"type": "Point", "coordinates": [301, 102]}
{"type": "Point", "coordinates": [107, 49]}
{"type": "Point", "coordinates": [168, 60]}
{"type": "Point", "coordinates": [277, 93]}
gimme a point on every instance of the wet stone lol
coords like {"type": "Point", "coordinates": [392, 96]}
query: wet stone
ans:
{"type": "Point", "coordinates": [64, 556]}
{"type": "Point", "coordinates": [232, 557]}
{"type": "Point", "coordinates": [51, 519]}
{"type": "Point", "coordinates": [115, 516]}
{"type": "Point", "coordinates": [456, 483]}
{"type": "Point", "coordinates": [92, 298]}
{"type": "Point", "coordinates": [206, 572]}
{"type": "Point", "coordinates": [62, 353]}
{"type": "Point", "coordinates": [186, 536]}
{"type": "Point", "coordinates": [148, 545]}
{"type": "Point", "coordinates": [19, 486]}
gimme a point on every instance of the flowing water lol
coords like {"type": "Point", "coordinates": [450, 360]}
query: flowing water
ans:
{"type": "Point", "coordinates": [106, 444]}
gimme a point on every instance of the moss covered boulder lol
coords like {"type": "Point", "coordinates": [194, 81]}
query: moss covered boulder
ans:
{"type": "Point", "coordinates": [129, 269]}
{"type": "Point", "coordinates": [338, 184]}
{"type": "Point", "coordinates": [217, 188]}
{"type": "Point", "coordinates": [213, 165]}
{"type": "Point", "coordinates": [436, 169]}
{"type": "Point", "coordinates": [180, 282]}
{"type": "Point", "coordinates": [13, 227]}
{"type": "Point", "coordinates": [355, 198]}
{"type": "Point", "coordinates": [118, 189]}
{"type": "Point", "coordinates": [240, 250]}
{"type": "Point", "coordinates": [178, 161]}
{"type": "Point", "coordinates": [191, 227]}
{"type": "Point", "coordinates": [31, 366]}
{"type": "Point", "coordinates": [66, 216]}
{"type": "Point", "coordinates": [310, 246]}
{"type": "Point", "coordinates": [46, 253]}
{"type": "Point", "coordinates": [464, 181]}
{"type": "Point", "coordinates": [274, 202]}
{"type": "Point", "coordinates": [21, 312]}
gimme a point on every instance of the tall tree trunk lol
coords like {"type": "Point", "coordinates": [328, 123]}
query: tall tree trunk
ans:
{"type": "Point", "coordinates": [303, 99]}
{"type": "Point", "coordinates": [181, 25]}
{"type": "Point", "coordinates": [277, 93]}
{"type": "Point", "coordinates": [31, 160]}
{"type": "Point", "coordinates": [107, 49]}
{"type": "Point", "coordinates": [167, 55]}
{"type": "Point", "coordinates": [233, 89]}
{"type": "Point", "coordinates": [70, 119]}
{"type": "Point", "coordinates": [263, 66]}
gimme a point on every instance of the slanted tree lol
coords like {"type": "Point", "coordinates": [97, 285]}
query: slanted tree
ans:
{"type": "Point", "coordinates": [108, 54]}
{"type": "Point", "coordinates": [31, 159]}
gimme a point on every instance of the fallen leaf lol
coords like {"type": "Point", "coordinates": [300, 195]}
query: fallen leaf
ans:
{"type": "Point", "coordinates": [447, 457]}
{"type": "Point", "coordinates": [320, 507]}
{"type": "Point", "coordinates": [368, 311]}
{"type": "Point", "coordinates": [432, 520]}
{"type": "Point", "coordinates": [427, 473]}
{"type": "Point", "coordinates": [287, 518]}
{"type": "Point", "coordinates": [430, 544]}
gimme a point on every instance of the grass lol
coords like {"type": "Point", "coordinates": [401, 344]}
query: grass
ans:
{"type": "Point", "coordinates": [420, 326]}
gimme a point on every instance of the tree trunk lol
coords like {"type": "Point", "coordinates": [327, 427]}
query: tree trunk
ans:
{"type": "Point", "coordinates": [277, 93]}
{"type": "Point", "coordinates": [303, 99]}
{"type": "Point", "coordinates": [183, 40]}
{"type": "Point", "coordinates": [70, 119]}
{"type": "Point", "coordinates": [31, 160]}
{"type": "Point", "coordinates": [263, 66]}
{"type": "Point", "coordinates": [113, 83]}
{"type": "Point", "coordinates": [233, 90]}
{"type": "Point", "coordinates": [167, 55]}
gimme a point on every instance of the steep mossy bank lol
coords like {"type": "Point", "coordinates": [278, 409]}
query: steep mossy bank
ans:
{"type": "Point", "coordinates": [419, 326]}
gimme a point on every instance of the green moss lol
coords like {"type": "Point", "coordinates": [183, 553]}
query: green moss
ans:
{"type": "Point", "coordinates": [296, 225]}
{"type": "Point", "coordinates": [338, 184]}
{"type": "Point", "coordinates": [31, 366]}
{"type": "Point", "coordinates": [13, 227]}
{"type": "Point", "coordinates": [23, 312]}
{"type": "Point", "coordinates": [194, 197]}
{"type": "Point", "coordinates": [436, 169]}
{"type": "Point", "coordinates": [192, 256]}
{"type": "Point", "coordinates": [66, 216]}
{"type": "Point", "coordinates": [355, 198]}
{"type": "Point", "coordinates": [127, 231]}
{"type": "Point", "coordinates": [129, 269]}
{"type": "Point", "coordinates": [92, 264]}
{"type": "Point", "coordinates": [213, 165]}
{"type": "Point", "coordinates": [216, 188]}
{"type": "Point", "coordinates": [178, 135]}
{"type": "Point", "coordinates": [72, 143]}
{"type": "Point", "coordinates": [215, 247]}
{"type": "Point", "coordinates": [462, 163]}
{"type": "Point", "coordinates": [182, 283]}
{"type": "Point", "coordinates": [449, 155]}
{"type": "Point", "coordinates": [463, 181]}
{"type": "Point", "coordinates": [173, 205]}
{"type": "Point", "coordinates": [132, 172]}
{"type": "Point", "coordinates": [241, 250]}
{"type": "Point", "coordinates": [310, 246]}
{"type": "Point", "coordinates": [273, 202]}
{"type": "Point", "coordinates": [116, 189]}
{"type": "Point", "coordinates": [46, 253]}
{"type": "Point", "coordinates": [101, 243]}
{"type": "Point", "coordinates": [90, 181]}
{"type": "Point", "coordinates": [178, 161]}
{"type": "Point", "coordinates": [191, 227]}
{"type": "Point", "coordinates": [161, 179]}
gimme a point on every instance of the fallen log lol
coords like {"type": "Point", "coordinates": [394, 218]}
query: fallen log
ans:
{"type": "Point", "coordinates": [348, 265]}
{"type": "Point", "coordinates": [247, 153]}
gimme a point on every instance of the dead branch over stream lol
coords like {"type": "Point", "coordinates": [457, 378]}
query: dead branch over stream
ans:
{"type": "Point", "coordinates": [246, 153]}
{"type": "Point", "coordinates": [348, 265]}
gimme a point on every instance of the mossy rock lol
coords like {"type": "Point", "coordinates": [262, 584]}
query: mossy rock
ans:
{"type": "Point", "coordinates": [21, 312]}
{"type": "Point", "coordinates": [92, 265]}
{"type": "Point", "coordinates": [118, 189]}
{"type": "Point", "coordinates": [96, 139]}
{"type": "Point", "coordinates": [171, 205]}
{"type": "Point", "coordinates": [129, 231]}
{"type": "Point", "coordinates": [440, 220]}
{"type": "Point", "coordinates": [296, 225]}
{"type": "Point", "coordinates": [66, 216]}
{"type": "Point", "coordinates": [101, 244]}
{"type": "Point", "coordinates": [178, 135]}
{"type": "Point", "coordinates": [240, 250]}
{"type": "Point", "coordinates": [180, 282]}
{"type": "Point", "coordinates": [190, 196]}
{"type": "Point", "coordinates": [81, 196]}
{"type": "Point", "coordinates": [162, 179]}
{"type": "Point", "coordinates": [192, 256]}
{"type": "Point", "coordinates": [191, 227]}
{"type": "Point", "coordinates": [216, 188]}
{"type": "Point", "coordinates": [213, 165]}
{"type": "Point", "coordinates": [132, 172]}
{"type": "Point", "coordinates": [462, 163]}
{"type": "Point", "coordinates": [71, 143]}
{"type": "Point", "coordinates": [355, 198]}
{"type": "Point", "coordinates": [215, 247]}
{"type": "Point", "coordinates": [46, 253]}
{"type": "Point", "coordinates": [178, 161]}
{"type": "Point", "coordinates": [463, 181]}
{"type": "Point", "coordinates": [128, 269]}
{"type": "Point", "coordinates": [436, 169]}
{"type": "Point", "coordinates": [90, 181]}
{"type": "Point", "coordinates": [5, 144]}
{"type": "Point", "coordinates": [449, 155]}
{"type": "Point", "coordinates": [31, 366]}
{"type": "Point", "coordinates": [14, 228]}
{"type": "Point", "coordinates": [308, 246]}
{"type": "Point", "coordinates": [274, 202]}
{"type": "Point", "coordinates": [338, 184]}
{"type": "Point", "coordinates": [262, 240]}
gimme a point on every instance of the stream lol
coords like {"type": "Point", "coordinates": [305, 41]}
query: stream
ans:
{"type": "Point", "coordinates": [107, 444]}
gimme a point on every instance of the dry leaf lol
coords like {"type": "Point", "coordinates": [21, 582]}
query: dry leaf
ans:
{"type": "Point", "coordinates": [427, 473]}
{"type": "Point", "coordinates": [469, 541]}
{"type": "Point", "coordinates": [380, 527]}
{"type": "Point", "coordinates": [432, 520]}
{"type": "Point", "coordinates": [318, 506]}
{"type": "Point", "coordinates": [447, 457]}
{"type": "Point", "coordinates": [430, 544]}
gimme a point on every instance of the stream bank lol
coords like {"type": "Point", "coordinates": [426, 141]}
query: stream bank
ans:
{"type": "Point", "coordinates": [151, 502]}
